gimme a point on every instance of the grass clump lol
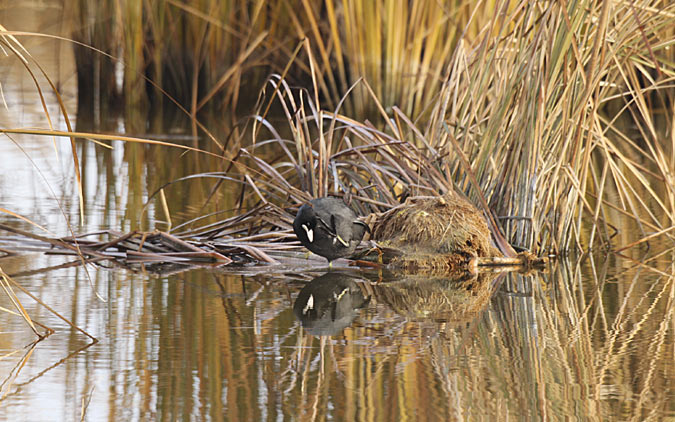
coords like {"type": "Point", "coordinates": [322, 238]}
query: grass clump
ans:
{"type": "Point", "coordinates": [537, 121]}
{"type": "Point", "coordinates": [427, 231]}
{"type": "Point", "coordinates": [555, 119]}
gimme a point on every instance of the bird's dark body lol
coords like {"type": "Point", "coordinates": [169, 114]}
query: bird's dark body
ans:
{"type": "Point", "coordinates": [328, 227]}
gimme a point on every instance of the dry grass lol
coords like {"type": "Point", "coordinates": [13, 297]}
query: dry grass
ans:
{"type": "Point", "coordinates": [210, 51]}
{"type": "Point", "coordinates": [536, 121]}
{"type": "Point", "coordinates": [554, 118]}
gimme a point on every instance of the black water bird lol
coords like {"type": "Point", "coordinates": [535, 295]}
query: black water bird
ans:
{"type": "Point", "coordinates": [328, 227]}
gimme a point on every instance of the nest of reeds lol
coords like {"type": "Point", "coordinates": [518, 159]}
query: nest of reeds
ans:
{"type": "Point", "coordinates": [432, 234]}
{"type": "Point", "coordinates": [452, 299]}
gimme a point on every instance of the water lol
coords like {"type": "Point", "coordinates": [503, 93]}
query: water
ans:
{"type": "Point", "coordinates": [589, 339]}
{"type": "Point", "coordinates": [204, 344]}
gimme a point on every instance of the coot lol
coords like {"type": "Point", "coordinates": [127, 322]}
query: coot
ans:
{"type": "Point", "coordinates": [328, 227]}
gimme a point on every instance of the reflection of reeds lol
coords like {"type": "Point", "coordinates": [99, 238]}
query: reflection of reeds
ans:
{"type": "Point", "coordinates": [8, 382]}
{"type": "Point", "coordinates": [556, 346]}
{"type": "Point", "coordinates": [589, 341]}
{"type": "Point", "coordinates": [5, 283]}
{"type": "Point", "coordinates": [568, 350]}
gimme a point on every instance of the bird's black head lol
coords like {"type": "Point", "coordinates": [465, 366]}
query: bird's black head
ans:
{"type": "Point", "coordinates": [305, 222]}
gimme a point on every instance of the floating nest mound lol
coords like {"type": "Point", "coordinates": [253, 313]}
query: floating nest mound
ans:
{"type": "Point", "coordinates": [432, 234]}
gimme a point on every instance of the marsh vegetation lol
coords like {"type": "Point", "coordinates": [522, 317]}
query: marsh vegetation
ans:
{"type": "Point", "coordinates": [555, 119]}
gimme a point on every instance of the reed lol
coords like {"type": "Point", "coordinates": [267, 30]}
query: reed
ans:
{"type": "Point", "coordinates": [556, 118]}
{"type": "Point", "coordinates": [210, 51]}
{"type": "Point", "coordinates": [548, 120]}
{"type": "Point", "coordinates": [190, 52]}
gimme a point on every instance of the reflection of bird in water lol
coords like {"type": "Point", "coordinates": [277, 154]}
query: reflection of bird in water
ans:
{"type": "Point", "coordinates": [328, 227]}
{"type": "Point", "coordinates": [329, 304]}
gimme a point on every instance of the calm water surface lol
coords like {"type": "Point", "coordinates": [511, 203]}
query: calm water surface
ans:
{"type": "Point", "coordinates": [589, 339]}
{"type": "Point", "coordinates": [207, 344]}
